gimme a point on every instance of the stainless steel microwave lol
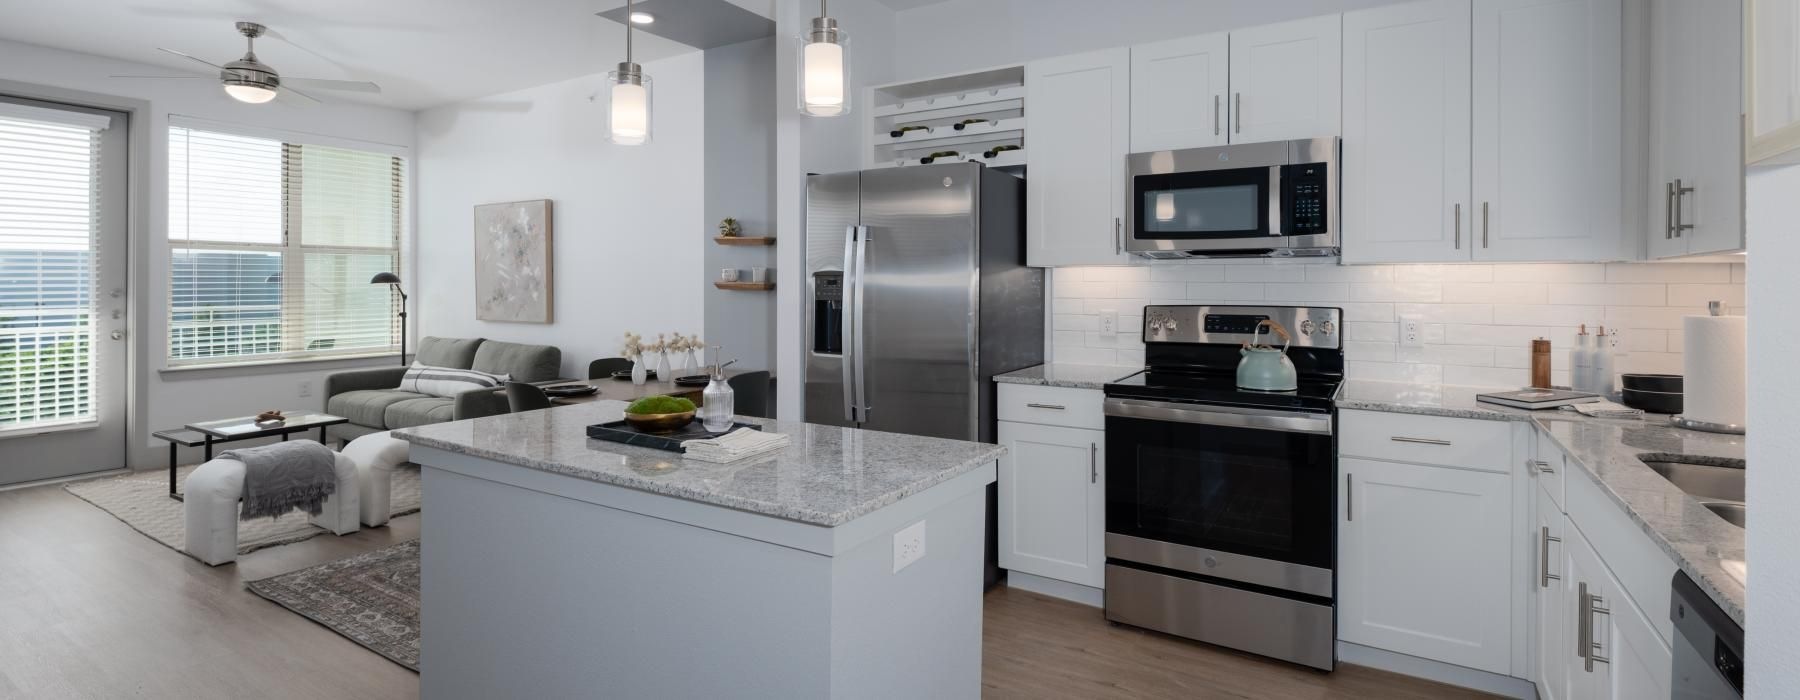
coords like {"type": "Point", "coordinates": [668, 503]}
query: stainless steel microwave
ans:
{"type": "Point", "coordinates": [1270, 199]}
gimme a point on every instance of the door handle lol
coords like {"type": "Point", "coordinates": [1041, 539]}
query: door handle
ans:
{"type": "Point", "coordinates": [1050, 406]}
{"type": "Point", "coordinates": [1093, 463]}
{"type": "Point", "coordinates": [1668, 210]}
{"type": "Point", "coordinates": [1458, 224]}
{"type": "Point", "coordinates": [1542, 466]}
{"type": "Point", "coordinates": [862, 271]}
{"type": "Point", "coordinates": [1544, 575]}
{"type": "Point", "coordinates": [848, 328]}
{"type": "Point", "coordinates": [1588, 606]}
{"type": "Point", "coordinates": [1680, 191]}
{"type": "Point", "coordinates": [1420, 441]}
{"type": "Point", "coordinates": [1349, 497]}
{"type": "Point", "coordinates": [1216, 100]}
{"type": "Point", "coordinates": [1484, 224]}
{"type": "Point", "coordinates": [1237, 112]}
{"type": "Point", "coordinates": [1118, 236]}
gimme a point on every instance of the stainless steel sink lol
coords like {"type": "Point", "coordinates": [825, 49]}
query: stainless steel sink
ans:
{"type": "Point", "coordinates": [1732, 512]}
{"type": "Point", "coordinates": [1703, 481]}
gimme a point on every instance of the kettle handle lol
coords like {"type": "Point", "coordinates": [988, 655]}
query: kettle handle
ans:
{"type": "Point", "coordinates": [1277, 328]}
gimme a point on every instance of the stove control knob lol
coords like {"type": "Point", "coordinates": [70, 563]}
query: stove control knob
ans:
{"type": "Point", "coordinates": [1328, 328]}
{"type": "Point", "coordinates": [1306, 327]}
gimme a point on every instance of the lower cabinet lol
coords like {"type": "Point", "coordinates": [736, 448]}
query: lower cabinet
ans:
{"type": "Point", "coordinates": [1552, 649]}
{"type": "Point", "coordinates": [1624, 658]}
{"type": "Point", "coordinates": [1424, 562]}
{"type": "Point", "coordinates": [1053, 502]}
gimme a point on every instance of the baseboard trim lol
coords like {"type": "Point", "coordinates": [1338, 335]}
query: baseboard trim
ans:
{"type": "Point", "coordinates": [1451, 674]}
{"type": "Point", "coordinates": [1074, 592]}
{"type": "Point", "coordinates": [63, 479]}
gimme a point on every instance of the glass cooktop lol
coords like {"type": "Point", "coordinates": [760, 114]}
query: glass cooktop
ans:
{"type": "Point", "coordinates": [1220, 388]}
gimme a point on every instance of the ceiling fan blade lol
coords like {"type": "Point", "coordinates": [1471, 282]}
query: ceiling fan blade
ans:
{"type": "Point", "coordinates": [323, 84]}
{"type": "Point", "coordinates": [165, 77]}
{"type": "Point", "coordinates": [191, 58]}
{"type": "Point", "coordinates": [285, 90]}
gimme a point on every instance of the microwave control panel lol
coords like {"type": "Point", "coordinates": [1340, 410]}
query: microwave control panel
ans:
{"type": "Point", "coordinates": [1303, 198]}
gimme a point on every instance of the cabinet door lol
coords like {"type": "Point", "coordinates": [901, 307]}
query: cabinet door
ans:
{"type": "Point", "coordinates": [1424, 562]}
{"type": "Point", "coordinates": [1550, 648]}
{"type": "Point", "coordinates": [1548, 164]}
{"type": "Point", "coordinates": [1406, 133]}
{"type": "Point", "coordinates": [1672, 121]}
{"type": "Point", "coordinates": [1053, 502]}
{"type": "Point", "coordinates": [1715, 207]}
{"type": "Point", "coordinates": [1629, 659]}
{"type": "Point", "coordinates": [1080, 127]}
{"type": "Point", "coordinates": [1285, 80]}
{"type": "Point", "coordinates": [1178, 93]}
{"type": "Point", "coordinates": [1773, 105]}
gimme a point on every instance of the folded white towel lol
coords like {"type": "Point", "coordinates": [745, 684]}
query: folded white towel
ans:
{"type": "Point", "coordinates": [742, 443]}
{"type": "Point", "coordinates": [1604, 409]}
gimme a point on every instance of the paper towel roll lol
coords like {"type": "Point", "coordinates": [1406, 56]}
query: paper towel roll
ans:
{"type": "Point", "coordinates": [1714, 365]}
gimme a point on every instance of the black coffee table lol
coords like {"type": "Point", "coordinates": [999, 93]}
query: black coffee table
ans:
{"type": "Point", "coordinates": [213, 432]}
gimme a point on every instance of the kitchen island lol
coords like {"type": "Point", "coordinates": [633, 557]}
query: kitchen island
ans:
{"type": "Point", "coordinates": [558, 566]}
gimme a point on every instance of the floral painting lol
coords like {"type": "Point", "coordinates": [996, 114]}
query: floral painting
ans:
{"type": "Point", "coordinates": [513, 261]}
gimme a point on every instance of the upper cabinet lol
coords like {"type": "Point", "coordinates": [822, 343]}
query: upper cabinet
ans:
{"type": "Point", "coordinates": [1697, 130]}
{"type": "Point", "coordinates": [1285, 80]}
{"type": "Point", "coordinates": [1179, 91]}
{"type": "Point", "coordinates": [1484, 131]}
{"type": "Point", "coordinates": [1080, 130]}
{"type": "Point", "coordinates": [1773, 108]}
{"type": "Point", "coordinates": [1406, 133]}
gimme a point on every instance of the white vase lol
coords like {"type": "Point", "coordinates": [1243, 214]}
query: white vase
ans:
{"type": "Point", "coordinates": [689, 362]}
{"type": "Point", "coordinates": [639, 374]}
{"type": "Point", "coordinates": [662, 367]}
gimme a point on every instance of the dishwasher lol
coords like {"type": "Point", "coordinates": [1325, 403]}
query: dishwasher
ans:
{"type": "Point", "coordinates": [1709, 646]}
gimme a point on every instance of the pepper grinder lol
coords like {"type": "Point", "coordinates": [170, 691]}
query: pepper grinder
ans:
{"type": "Point", "coordinates": [1540, 363]}
{"type": "Point", "coordinates": [719, 402]}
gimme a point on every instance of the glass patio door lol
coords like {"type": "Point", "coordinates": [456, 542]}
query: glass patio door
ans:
{"type": "Point", "coordinates": [63, 299]}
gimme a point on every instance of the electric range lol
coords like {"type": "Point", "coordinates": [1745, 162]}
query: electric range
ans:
{"type": "Point", "coordinates": [1221, 502]}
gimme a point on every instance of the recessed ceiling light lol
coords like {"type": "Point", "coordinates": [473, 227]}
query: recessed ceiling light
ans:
{"type": "Point", "coordinates": [642, 18]}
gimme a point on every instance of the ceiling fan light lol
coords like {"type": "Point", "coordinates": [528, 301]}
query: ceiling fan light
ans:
{"type": "Point", "coordinates": [253, 94]}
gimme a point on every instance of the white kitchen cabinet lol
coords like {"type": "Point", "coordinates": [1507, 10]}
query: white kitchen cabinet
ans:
{"type": "Point", "coordinates": [1285, 80]}
{"type": "Point", "coordinates": [1178, 93]}
{"type": "Point", "coordinates": [1424, 562]}
{"type": "Point", "coordinates": [1772, 110]}
{"type": "Point", "coordinates": [1697, 152]}
{"type": "Point", "coordinates": [1629, 660]}
{"type": "Point", "coordinates": [1551, 647]}
{"type": "Point", "coordinates": [1406, 133]}
{"type": "Point", "coordinates": [1053, 502]}
{"type": "Point", "coordinates": [1080, 130]}
{"type": "Point", "coordinates": [1548, 138]}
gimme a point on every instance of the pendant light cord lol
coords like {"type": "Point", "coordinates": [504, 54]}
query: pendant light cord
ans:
{"type": "Point", "coordinates": [628, 30]}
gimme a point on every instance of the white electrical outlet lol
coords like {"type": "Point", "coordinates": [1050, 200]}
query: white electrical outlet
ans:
{"type": "Point", "coordinates": [1412, 332]}
{"type": "Point", "coordinates": [306, 388]}
{"type": "Point", "coordinates": [909, 545]}
{"type": "Point", "coordinates": [1109, 322]}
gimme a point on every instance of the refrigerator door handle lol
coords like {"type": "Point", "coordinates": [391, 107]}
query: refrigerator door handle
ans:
{"type": "Point", "coordinates": [849, 328]}
{"type": "Point", "coordinates": [856, 311]}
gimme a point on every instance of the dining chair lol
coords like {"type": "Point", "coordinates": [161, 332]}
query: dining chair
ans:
{"type": "Point", "coordinates": [605, 366]}
{"type": "Point", "coordinates": [525, 397]}
{"type": "Point", "coordinates": [750, 392]}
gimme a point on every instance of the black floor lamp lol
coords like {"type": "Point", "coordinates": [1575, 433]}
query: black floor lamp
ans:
{"type": "Point", "coordinates": [393, 280]}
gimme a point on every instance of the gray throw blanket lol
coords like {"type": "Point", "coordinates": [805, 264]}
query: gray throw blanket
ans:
{"type": "Point", "coordinates": [284, 476]}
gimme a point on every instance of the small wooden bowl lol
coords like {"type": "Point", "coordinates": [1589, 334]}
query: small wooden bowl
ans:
{"type": "Point", "coordinates": [659, 422]}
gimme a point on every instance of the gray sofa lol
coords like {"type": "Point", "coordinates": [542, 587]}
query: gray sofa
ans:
{"type": "Point", "coordinates": [372, 403]}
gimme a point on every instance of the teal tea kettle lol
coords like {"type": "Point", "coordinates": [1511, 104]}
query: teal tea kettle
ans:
{"type": "Point", "coordinates": [1267, 368]}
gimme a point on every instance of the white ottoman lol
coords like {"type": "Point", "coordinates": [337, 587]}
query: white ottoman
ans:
{"type": "Point", "coordinates": [376, 455]}
{"type": "Point", "coordinates": [212, 494]}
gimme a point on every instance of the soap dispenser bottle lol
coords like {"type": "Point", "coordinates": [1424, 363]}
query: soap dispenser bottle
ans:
{"type": "Point", "coordinates": [718, 403]}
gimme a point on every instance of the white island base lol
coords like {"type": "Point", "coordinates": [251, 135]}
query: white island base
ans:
{"type": "Point", "coordinates": [541, 585]}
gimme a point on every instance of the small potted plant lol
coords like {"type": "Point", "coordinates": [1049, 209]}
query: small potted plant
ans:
{"type": "Point", "coordinates": [660, 414]}
{"type": "Point", "coordinates": [730, 228]}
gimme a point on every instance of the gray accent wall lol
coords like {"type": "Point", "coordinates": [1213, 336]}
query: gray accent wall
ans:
{"type": "Point", "coordinates": [740, 169]}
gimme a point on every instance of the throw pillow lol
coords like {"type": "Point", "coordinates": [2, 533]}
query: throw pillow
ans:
{"type": "Point", "coordinates": [448, 382]}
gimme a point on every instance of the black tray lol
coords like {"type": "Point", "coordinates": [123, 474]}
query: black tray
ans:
{"type": "Point", "coordinates": [620, 431]}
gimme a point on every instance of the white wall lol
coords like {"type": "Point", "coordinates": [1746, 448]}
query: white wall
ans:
{"type": "Point", "coordinates": [629, 220]}
{"type": "Point", "coordinates": [1772, 666]}
{"type": "Point", "coordinates": [960, 35]}
{"type": "Point", "coordinates": [740, 157]}
{"type": "Point", "coordinates": [170, 399]}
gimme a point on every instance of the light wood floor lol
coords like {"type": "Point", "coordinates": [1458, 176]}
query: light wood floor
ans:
{"type": "Point", "coordinates": [91, 608]}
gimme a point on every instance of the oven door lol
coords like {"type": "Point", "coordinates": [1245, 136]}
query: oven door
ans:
{"type": "Point", "coordinates": [1236, 493]}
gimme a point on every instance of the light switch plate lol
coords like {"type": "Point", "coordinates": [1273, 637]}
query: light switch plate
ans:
{"type": "Point", "coordinates": [1412, 332]}
{"type": "Point", "coordinates": [909, 545]}
{"type": "Point", "coordinates": [1109, 322]}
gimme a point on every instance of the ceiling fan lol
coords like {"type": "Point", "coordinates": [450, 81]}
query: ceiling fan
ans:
{"type": "Point", "coordinates": [255, 82]}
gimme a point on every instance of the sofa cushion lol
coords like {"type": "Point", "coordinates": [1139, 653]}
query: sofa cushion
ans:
{"type": "Point", "coordinates": [420, 411]}
{"type": "Point", "coordinates": [367, 406]}
{"type": "Point", "coordinates": [446, 381]}
{"type": "Point", "coordinates": [526, 363]}
{"type": "Point", "coordinates": [447, 352]}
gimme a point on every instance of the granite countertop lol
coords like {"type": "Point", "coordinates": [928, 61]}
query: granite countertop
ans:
{"type": "Point", "coordinates": [1702, 544]}
{"type": "Point", "coordinates": [1068, 375]}
{"type": "Point", "coordinates": [827, 476]}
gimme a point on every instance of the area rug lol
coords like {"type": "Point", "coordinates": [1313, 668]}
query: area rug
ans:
{"type": "Point", "coordinates": [371, 598]}
{"type": "Point", "coordinates": [142, 502]}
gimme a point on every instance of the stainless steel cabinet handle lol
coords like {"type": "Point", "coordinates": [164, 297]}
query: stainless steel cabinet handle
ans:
{"type": "Point", "coordinates": [1050, 406]}
{"type": "Point", "coordinates": [1093, 463]}
{"type": "Point", "coordinates": [1668, 210]}
{"type": "Point", "coordinates": [1544, 575]}
{"type": "Point", "coordinates": [1680, 191]}
{"type": "Point", "coordinates": [1421, 441]}
{"type": "Point", "coordinates": [1349, 497]}
{"type": "Point", "coordinates": [1216, 115]}
{"type": "Point", "coordinates": [1458, 217]}
{"type": "Point", "coordinates": [1118, 236]}
{"type": "Point", "coordinates": [1587, 606]}
{"type": "Point", "coordinates": [1237, 112]}
{"type": "Point", "coordinates": [1543, 467]}
{"type": "Point", "coordinates": [1484, 224]}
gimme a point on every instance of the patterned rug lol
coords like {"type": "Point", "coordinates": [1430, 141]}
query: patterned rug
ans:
{"type": "Point", "coordinates": [142, 502]}
{"type": "Point", "coordinates": [371, 598]}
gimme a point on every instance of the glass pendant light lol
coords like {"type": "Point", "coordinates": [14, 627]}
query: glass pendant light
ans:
{"type": "Point", "coordinates": [628, 98]}
{"type": "Point", "coordinates": [825, 68]}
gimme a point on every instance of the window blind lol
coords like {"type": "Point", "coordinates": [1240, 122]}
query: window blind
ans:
{"type": "Point", "coordinates": [272, 248]}
{"type": "Point", "coordinates": [49, 243]}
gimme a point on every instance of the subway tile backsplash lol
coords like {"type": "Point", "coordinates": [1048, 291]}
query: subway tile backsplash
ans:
{"type": "Point", "coordinates": [1479, 319]}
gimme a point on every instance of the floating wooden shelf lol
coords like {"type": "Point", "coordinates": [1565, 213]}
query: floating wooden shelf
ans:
{"type": "Point", "coordinates": [744, 240]}
{"type": "Point", "coordinates": [746, 286]}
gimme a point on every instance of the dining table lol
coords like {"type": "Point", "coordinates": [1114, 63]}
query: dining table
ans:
{"type": "Point", "coordinates": [625, 390]}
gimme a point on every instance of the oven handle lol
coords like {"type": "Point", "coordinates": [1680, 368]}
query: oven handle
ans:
{"type": "Point", "coordinates": [1226, 416]}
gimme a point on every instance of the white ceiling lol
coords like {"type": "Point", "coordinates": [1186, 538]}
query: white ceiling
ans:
{"type": "Point", "coordinates": [903, 5]}
{"type": "Point", "coordinates": [423, 53]}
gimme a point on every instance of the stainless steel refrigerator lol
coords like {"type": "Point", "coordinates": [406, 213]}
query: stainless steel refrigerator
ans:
{"type": "Point", "coordinates": [917, 295]}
